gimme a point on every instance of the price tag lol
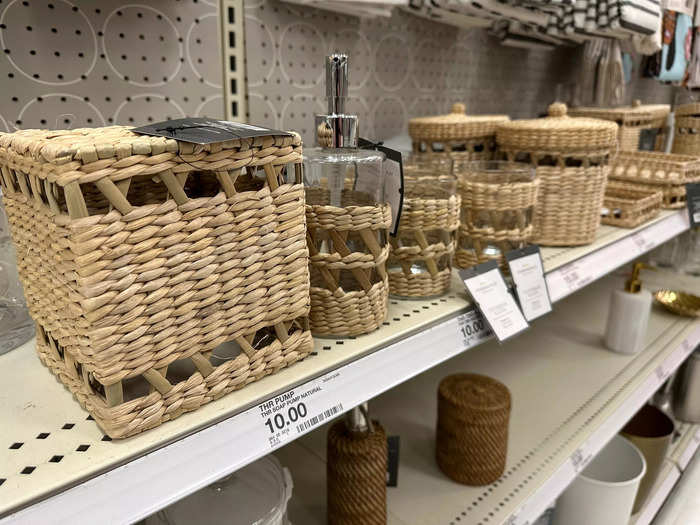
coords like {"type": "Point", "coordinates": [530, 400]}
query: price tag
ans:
{"type": "Point", "coordinates": [473, 328]}
{"type": "Point", "coordinates": [661, 373]}
{"type": "Point", "coordinates": [580, 458]}
{"type": "Point", "coordinates": [643, 242]}
{"type": "Point", "coordinates": [488, 289]}
{"type": "Point", "coordinates": [528, 275]}
{"type": "Point", "coordinates": [692, 201]}
{"type": "Point", "coordinates": [296, 411]}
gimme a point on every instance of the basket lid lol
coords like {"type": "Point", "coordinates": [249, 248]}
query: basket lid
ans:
{"type": "Point", "coordinates": [635, 111]}
{"type": "Point", "coordinates": [557, 132]}
{"type": "Point", "coordinates": [688, 110]}
{"type": "Point", "coordinates": [475, 392]}
{"type": "Point", "coordinates": [454, 126]}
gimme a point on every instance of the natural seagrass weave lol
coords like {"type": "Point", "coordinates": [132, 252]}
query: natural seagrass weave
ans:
{"type": "Point", "coordinates": [470, 136]}
{"type": "Point", "coordinates": [140, 255]}
{"type": "Point", "coordinates": [654, 171]}
{"type": "Point", "coordinates": [348, 250]}
{"type": "Point", "coordinates": [498, 202]}
{"type": "Point", "coordinates": [472, 428]}
{"type": "Point", "coordinates": [686, 133]}
{"type": "Point", "coordinates": [356, 465]}
{"type": "Point", "coordinates": [632, 120]}
{"type": "Point", "coordinates": [628, 207]}
{"type": "Point", "coordinates": [571, 157]}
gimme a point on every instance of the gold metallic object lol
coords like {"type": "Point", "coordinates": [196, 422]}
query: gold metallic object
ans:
{"type": "Point", "coordinates": [680, 303]}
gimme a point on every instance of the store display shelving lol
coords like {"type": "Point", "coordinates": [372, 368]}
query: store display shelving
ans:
{"type": "Point", "coordinates": [570, 396]}
{"type": "Point", "coordinates": [73, 474]}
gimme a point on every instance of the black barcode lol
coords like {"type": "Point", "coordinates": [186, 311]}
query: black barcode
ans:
{"type": "Point", "coordinates": [320, 418]}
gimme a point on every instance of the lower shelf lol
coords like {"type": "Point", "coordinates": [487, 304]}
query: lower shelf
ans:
{"type": "Point", "coordinates": [570, 396]}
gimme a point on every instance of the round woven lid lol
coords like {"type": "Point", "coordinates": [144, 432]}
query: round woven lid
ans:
{"type": "Point", "coordinates": [688, 110]}
{"type": "Point", "coordinates": [474, 392]}
{"type": "Point", "coordinates": [636, 110]}
{"type": "Point", "coordinates": [557, 132]}
{"type": "Point", "coordinates": [454, 126]}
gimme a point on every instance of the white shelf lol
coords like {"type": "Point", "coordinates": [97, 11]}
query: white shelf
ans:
{"type": "Point", "coordinates": [123, 481]}
{"type": "Point", "coordinates": [682, 506]}
{"type": "Point", "coordinates": [570, 396]}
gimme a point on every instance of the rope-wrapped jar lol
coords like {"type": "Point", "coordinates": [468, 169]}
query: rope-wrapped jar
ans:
{"type": "Point", "coordinates": [498, 202]}
{"type": "Point", "coordinates": [472, 428]}
{"type": "Point", "coordinates": [571, 156]}
{"type": "Point", "coordinates": [686, 132]}
{"type": "Point", "coordinates": [420, 262]}
{"type": "Point", "coordinates": [461, 136]}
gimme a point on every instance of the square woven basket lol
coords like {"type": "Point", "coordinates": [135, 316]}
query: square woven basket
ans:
{"type": "Point", "coordinates": [629, 205]}
{"type": "Point", "coordinates": [140, 255]}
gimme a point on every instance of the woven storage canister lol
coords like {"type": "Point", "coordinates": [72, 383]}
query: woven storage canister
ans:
{"type": "Point", "coordinates": [646, 122]}
{"type": "Point", "coordinates": [467, 137]}
{"type": "Point", "coordinates": [498, 201]}
{"type": "Point", "coordinates": [571, 156]}
{"type": "Point", "coordinates": [420, 261]}
{"type": "Point", "coordinates": [655, 171]}
{"type": "Point", "coordinates": [628, 207]}
{"type": "Point", "coordinates": [140, 255]}
{"type": "Point", "coordinates": [686, 130]}
{"type": "Point", "coordinates": [472, 428]}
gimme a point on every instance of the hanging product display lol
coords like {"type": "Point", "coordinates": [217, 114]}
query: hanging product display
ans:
{"type": "Point", "coordinates": [139, 255]}
{"type": "Point", "coordinates": [686, 390]}
{"type": "Point", "coordinates": [462, 136]}
{"type": "Point", "coordinates": [628, 207]}
{"type": "Point", "coordinates": [356, 463]}
{"type": "Point", "coordinates": [628, 316]}
{"type": "Point", "coordinates": [686, 129]}
{"type": "Point", "coordinates": [498, 202]}
{"type": "Point", "coordinates": [472, 428]}
{"type": "Point", "coordinates": [655, 171]}
{"type": "Point", "coordinates": [642, 127]}
{"type": "Point", "coordinates": [257, 494]}
{"type": "Point", "coordinates": [347, 218]}
{"type": "Point", "coordinates": [571, 156]}
{"type": "Point", "coordinates": [420, 262]}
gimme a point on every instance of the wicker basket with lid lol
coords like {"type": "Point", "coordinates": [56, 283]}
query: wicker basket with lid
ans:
{"type": "Point", "coordinates": [634, 121]}
{"type": "Point", "coordinates": [686, 133]}
{"type": "Point", "coordinates": [468, 137]}
{"type": "Point", "coordinates": [571, 157]}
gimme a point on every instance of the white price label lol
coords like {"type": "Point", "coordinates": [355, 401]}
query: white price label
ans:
{"type": "Point", "coordinates": [528, 275]}
{"type": "Point", "coordinates": [643, 242]}
{"type": "Point", "coordinates": [580, 458]}
{"type": "Point", "coordinates": [696, 217]}
{"type": "Point", "coordinates": [687, 347]}
{"type": "Point", "coordinates": [661, 373]}
{"type": "Point", "coordinates": [575, 277]}
{"type": "Point", "coordinates": [473, 328]}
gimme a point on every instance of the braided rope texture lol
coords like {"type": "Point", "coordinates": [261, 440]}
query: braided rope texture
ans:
{"type": "Point", "coordinates": [356, 476]}
{"type": "Point", "coordinates": [629, 207]}
{"type": "Point", "coordinates": [472, 428]}
{"type": "Point", "coordinates": [122, 283]}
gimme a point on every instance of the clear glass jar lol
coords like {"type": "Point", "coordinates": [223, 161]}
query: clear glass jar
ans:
{"type": "Point", "coordinates": [691, 261]}
{"type": "Point", "coordinates": [671, 253]}
{"type": "Point", "coordinates": [498, 201]}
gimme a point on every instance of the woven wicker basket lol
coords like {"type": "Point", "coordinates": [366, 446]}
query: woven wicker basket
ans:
{"type": "Point", "coordinates": [498, 201]}
{"type": "Point", "coordinates": [628, 207]}
{"type": "Point", "coordinates": [571, 156]}
{"type": "Point", "coordinates": [686, 132]}
{"type": "Point", "coordinates": [140, 255]}
{"type": "Point", "coordinates": [633, 120]}
{"type": "Point", "coordinates": [666, 172]}
{"type": "Point", "coordinates": [472, 428]}
{"type": "Point", "coordinates": [466, 137]}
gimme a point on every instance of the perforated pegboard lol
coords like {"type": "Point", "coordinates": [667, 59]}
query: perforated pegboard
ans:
{"type": "Point", "coordinates": [84, 63]}
{"type": "Point", "coordinates": [399, 68]}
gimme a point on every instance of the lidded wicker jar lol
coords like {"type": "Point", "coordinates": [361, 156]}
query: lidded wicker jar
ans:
{"type": "Point", "coordinates": [420, 261]}
{"type": "Point", "coordinates": [571, 156]}
{"type": "Point", "coordinates": [686, 132]}
{"type": "Point", "coordinates": [642, 126]}
{"type": "Point", "coordinates": [472, 428]}
{"type": "Point", "coordinates": [457, 134]}
{"type": "Point", "coordinates": [140, 255]}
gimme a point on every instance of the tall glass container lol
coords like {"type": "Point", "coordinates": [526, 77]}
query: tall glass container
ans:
{"type": "Point", "coordinates": [347, 220]}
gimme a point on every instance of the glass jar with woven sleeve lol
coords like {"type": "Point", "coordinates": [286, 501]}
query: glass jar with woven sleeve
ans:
{"type": "Point", "coordinates": [420, 262]}
{"type": "Point", "coordinates": [571, 155]}
{"type": "Point", "coordinates": [456, 134]}
{"type": "Point", "coordinates": [498, 202]}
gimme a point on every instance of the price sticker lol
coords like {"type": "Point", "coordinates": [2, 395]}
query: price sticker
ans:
{"type": "Point", "coordinates": [661, 373]}
{"type": "Point", "coordinates": [687, 347]}
{"type": "Point", "coordinates": [643, 242]}
{"type": "Point", "coordinates": [580, 458]}
{"type": "Point", "coordinates": [473, 328]}
{"type": "Point", "coordinates": [527, 272]}
{"type": "Point", "coordinates": [575, 277]}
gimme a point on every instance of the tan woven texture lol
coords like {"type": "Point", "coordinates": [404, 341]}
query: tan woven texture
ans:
{"type": "Point", "coordinates": [349, 288]}
{"type": "Point", "coordinates": [139, 255]}
{"type": "Point", "coordinates": [471, 135]}
{"type": "Point", "coordinates": [420, 261]}
{"type": "Point", "coordinates": [496, 214]}
{"type": "Point", "coordinates": [472, 428]}
{"type": "Point", "coordinates": [632, 120]}
{"type": "Point", "coordinates": [356, 476]}
{"type": "Point", "coordinates": [686, 135]}
{"type": "Point", "coordinates": [654, 171]}
{"type": "Point", "coordinates": [628, 207]}
{"type": "Point", "coordinates": [571, 156]}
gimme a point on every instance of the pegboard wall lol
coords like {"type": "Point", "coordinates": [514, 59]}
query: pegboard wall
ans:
{"type": "Point", "coordinates": [85, 63]}
{"type": "Point", "coordinates": [400, 68]}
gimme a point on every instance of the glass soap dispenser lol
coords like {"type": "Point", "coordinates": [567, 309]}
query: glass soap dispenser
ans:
{"type": "Point", "coordinates": [347, 218]}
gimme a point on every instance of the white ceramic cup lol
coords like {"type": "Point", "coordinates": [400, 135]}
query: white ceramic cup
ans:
{"type": "Point", "coordinates": [604, 492]}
